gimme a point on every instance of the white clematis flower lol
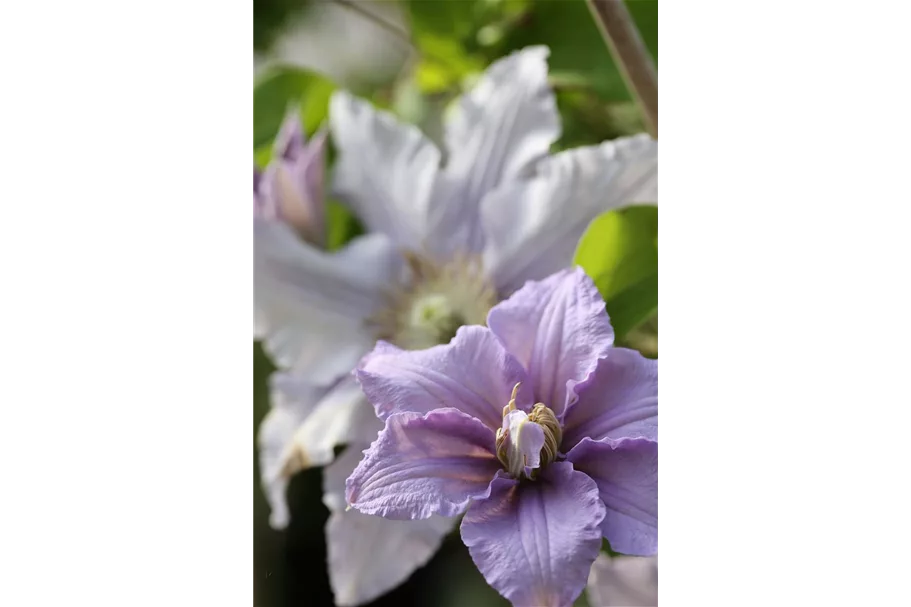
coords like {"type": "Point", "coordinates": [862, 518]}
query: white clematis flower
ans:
{"type": "Point", "coordinates": [446, 241]}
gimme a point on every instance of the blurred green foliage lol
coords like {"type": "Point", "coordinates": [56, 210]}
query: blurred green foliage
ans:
{"type": "Point", "coordinates": [454, 40]}
{"type": "Point", "coordinates": [619, 250]}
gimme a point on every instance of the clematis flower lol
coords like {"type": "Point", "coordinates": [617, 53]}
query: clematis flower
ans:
{"type": "Point", "coordinates": [623, 581]}
{"type": "Point", "coordinates": [446, 240]}
{"type": "Point", "coordinates": [537, 428]}
{"type": "Point", "coordinates": [291, 187]}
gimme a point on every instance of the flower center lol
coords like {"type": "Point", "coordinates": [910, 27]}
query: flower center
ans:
{"type": "Point", "coordinates": [439, 298]}
{"type": "Point", "coordinates": [527, 442]}
{"type": "Point", "coordinates": [433, 316]}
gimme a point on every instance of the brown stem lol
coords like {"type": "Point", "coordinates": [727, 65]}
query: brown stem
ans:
{"type": "Point", "coordinates": [631, 56]}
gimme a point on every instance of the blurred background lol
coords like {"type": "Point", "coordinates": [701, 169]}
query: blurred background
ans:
{"type": "Point", "coordinates": [413, 57]}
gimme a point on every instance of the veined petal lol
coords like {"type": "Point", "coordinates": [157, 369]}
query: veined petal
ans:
{"type": "Point", "coordinates": [292, 402]}
{"type": "Point", "coordinates": [396, 548]}
{"type": "Point", "coordinates": [532, 226]}
{"type": "Point", "coordinates": [534, 542]}
{"type": "Point", "coordinates": [496, 132]}
{"type": "Point", "coordinates": [385, 170]}
{"type": "Point", "coordinates": [623, 581]}
{"type": "Point", "coordinates": [422, 465]}
{"type": "Point", "coordinates": [311, 305]}
{"type": "Point", "coordinates": [342, 416]}
{"type": "Point", "coordinates": [381, 348]}
{"type": "Point", "coordinates": [620, 400]}
{"type": "Point", "coordinates": [473, 373]}
{"type": "Point", "coordinates": [558, 329]}
{"type": "Point", "coordinates": [626, 472]}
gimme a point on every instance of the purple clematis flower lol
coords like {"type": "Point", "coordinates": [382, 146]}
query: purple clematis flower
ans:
{"type": "Point", "coordinates": [291, 187]}
{"type": "Point", "coordinates": [537, 428]}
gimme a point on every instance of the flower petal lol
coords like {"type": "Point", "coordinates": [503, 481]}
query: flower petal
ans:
{"type": "Point", "coordinates": [343, 415]}
{"type": "Point", "coordinates": [623, 581]}
{"type": "Point", "coordinates": [620, 400]}
{"type": "Point", "coordinates": [385, 170]}
{"type": "Point", "coordinates": [311, 305]}
{"type": "Point", "coordinates": [626, 472]}
{"type": "Point", "coordinates": [290, 141]}
{"type": "Point", "coordinates": [381, 348]}
{"type": "Point", "coordinates": [422, 465]}
{"type": "Point", "coordinates": [558, 328]}
{"type": "Point", "coordinates": [472, 373]}
{"type": "Point", "coordinates": [295, 187]}
{"type": "Point", "coordinates": [370, 555]}
{"type": "Point", "coordinates": [532, 226]}
{"type": "Point", "coordinates": [313, 175]}
{"type": "Point", "coordinates": [534, 542]}
{"type": "Point", "coordinates": [496, 132]}
{"type": "Point", "coordinates": [292, 401]}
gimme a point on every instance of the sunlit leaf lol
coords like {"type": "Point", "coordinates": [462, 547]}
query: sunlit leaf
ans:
{"type": "Point", "coordinates": [619, 250]}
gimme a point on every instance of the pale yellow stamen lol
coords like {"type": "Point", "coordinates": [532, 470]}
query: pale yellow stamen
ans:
{"type": "Point", "coordinates": [512, 400]}
{"type": "Point", "coordinates": [540, 415]}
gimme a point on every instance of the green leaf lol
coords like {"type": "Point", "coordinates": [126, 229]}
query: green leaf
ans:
{"type": "Point", "coordinates": [619, 250]}
{"type": "Point", "coordinates": [634, 305]}
{"type": "Point", "coordinates": [282, 88]}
